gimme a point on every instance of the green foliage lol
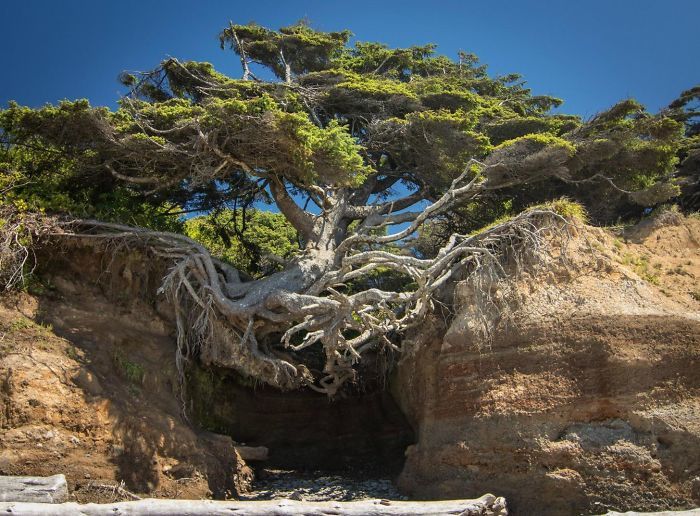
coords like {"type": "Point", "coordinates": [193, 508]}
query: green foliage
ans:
{"type": "Point", "coordinates": [399, 64]}
{"type": "Point", "coordinates": [566, 208]}
{"type": "Point", "coordinates": [298, 46]}
{"type": "Point", "coordinates": [132, 371]}
{"type": "Point", "coordinates": [541, 141]}
{"type": "Point", "coordinates": [39, 180]}
{"type": "Point", "coordinates": [254, 246]}
{"type": "Point", "coordinates": [505, 129]}
{"type": "Point", "coordinates": [329, 154]}
{"type": "Point", "coordinates": [446, 93]}
{"type": "Point", "coordinates": [441, 143]}
{"type": "Point", "coordinates": [190, 138]}
{"type": "Point", "coordinates": [374, 86]}
{"type": "Point", "coordinates": [636, 150]}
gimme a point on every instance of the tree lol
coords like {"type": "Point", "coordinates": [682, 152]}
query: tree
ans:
{"type": "Point", "coordinates": [686, 109]}
{"type": "Point", "coordinates": [358, 147]}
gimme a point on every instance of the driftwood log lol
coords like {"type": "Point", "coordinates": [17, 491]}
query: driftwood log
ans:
{"type": "Point", "coordinates": [487, 505]}
{"type": "Point", "coordinates": [34, 489]}
{"type": "Point", "coordinates": [252, 453]}
{"type": "Point", "coordinates": [690, 512]}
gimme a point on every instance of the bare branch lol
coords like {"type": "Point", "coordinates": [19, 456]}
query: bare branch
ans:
{"type": "Point", "coordinates": [131, 179]}
{"type": "Point", "coordinates": [241, 52]}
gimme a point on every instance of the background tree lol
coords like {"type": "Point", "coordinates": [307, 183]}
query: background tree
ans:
{"type": "Point", "coordinates": [686, 109]}
{"type": "Point", "coordinates": [358, 147]}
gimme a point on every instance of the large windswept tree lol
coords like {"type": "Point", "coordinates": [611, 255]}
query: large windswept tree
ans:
{"type": "Point", "coordinates": [358, 147]}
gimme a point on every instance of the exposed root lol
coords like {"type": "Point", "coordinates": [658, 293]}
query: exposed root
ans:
{"type": "Point", "coordinates": [117, 491]}
{"type": "Point", "coordinates": [221, 319]}
{"type": "Point", "coordinates": [19, 233]}
{"type": "Point", "coordinates": [273, 329]}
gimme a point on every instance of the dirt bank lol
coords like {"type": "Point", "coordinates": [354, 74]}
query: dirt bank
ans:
{"type": "Point", "coordinates": [588, 399]}
{"type": "Point", "coordinates": [99, 404]}
{"type": "Point", "coordinates": [89, 387]}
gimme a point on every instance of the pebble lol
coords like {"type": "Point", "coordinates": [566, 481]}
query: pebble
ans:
{"type": "Point", "coordinates": [319, 487]}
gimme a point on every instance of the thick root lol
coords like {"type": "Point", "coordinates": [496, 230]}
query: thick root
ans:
{"type": "Point", "coordinates": [268, 329]}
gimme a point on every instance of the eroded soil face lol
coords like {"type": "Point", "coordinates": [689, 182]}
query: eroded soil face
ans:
{"type": "Point", "coordinates": [586, 400]}
{"type": "Point", "coordinates": [98, 403]}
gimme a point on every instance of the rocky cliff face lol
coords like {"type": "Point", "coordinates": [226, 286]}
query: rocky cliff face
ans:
{"type": "Point", "coordinates": [587, 399]}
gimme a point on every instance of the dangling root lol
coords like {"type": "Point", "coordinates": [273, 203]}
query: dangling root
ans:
{"type": "Point", "coordinates": [19, 234]}
{"type": "Point", "coordinates": [492, 261]}
{"type": "Point", "coordinates": [265, 328]}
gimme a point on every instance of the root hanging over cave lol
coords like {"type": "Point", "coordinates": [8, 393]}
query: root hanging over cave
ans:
{"type": "Point", "coordinates": [309, 325]}
{"type": "Point", "coordinates": [270, 334]}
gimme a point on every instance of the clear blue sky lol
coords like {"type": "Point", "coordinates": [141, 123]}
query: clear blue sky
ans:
{"type": "Point", "coordinates": [590, 53]}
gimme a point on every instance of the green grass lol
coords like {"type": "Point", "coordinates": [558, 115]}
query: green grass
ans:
{"type": "Point", "coordinates": [24, 323]}
{"type": "Point", "coordinates": [131, 371]}
{"type": "Point", "coordinates": [565, 207]}
{"type": "Point", "coordinates": [640, 265]}
{"type": "Point", "coordinates": [568, 209]}
{"type": "Point", "coordinates": [73, 353]}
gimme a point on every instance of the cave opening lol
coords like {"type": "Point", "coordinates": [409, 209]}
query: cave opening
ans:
{"type": "Point", "coordinates": [361, 434]}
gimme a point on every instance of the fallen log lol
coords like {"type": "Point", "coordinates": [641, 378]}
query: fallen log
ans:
{"type": "Point", "coordinates": [689, 512]}
{"type": "Point", "coordinates": [252, 453]}
{"type": "Point", "coordinates": [34, 489]}
{"type": "Point", "coordinates": [487, 505]}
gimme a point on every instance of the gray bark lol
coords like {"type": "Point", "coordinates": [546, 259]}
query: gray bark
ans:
{"type": "Point", "coordinates": [34, 489]}
{"type": "Point", "coordinates": [691, 512]}
{"type": "Point", "coordinates": [486, 505]}
{"type": "Point", "coordinates": [252, 453]}
{"type": "Point", "coordinates": [237, 324]}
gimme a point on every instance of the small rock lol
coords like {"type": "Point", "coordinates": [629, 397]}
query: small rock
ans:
{"type": "Point", "coordinates": [88, 382]}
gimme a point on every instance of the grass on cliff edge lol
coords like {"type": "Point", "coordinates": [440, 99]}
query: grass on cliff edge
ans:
{"type": "Point", "coordinates": [570, 210]}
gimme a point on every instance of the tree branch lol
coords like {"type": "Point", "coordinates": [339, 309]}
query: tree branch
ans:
{"type": "Point", "coordinates": [300, 219]}
{"type": "Point", "coordinates": [241, 52]}
{"type": "Point", "coordinates": [131, 179]}
{"type": "Point", "coordinates": [454, 192]}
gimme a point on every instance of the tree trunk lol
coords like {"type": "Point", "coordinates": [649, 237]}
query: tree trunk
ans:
{"type": "Point", "coordinates": [487, 505]}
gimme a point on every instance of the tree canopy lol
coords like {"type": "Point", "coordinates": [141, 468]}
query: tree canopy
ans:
{"type": "Point", "coordinates": [359, 148]}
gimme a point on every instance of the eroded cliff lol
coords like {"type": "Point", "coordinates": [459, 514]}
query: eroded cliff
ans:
{"type": "Point", "coordinates": [586, 399]}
